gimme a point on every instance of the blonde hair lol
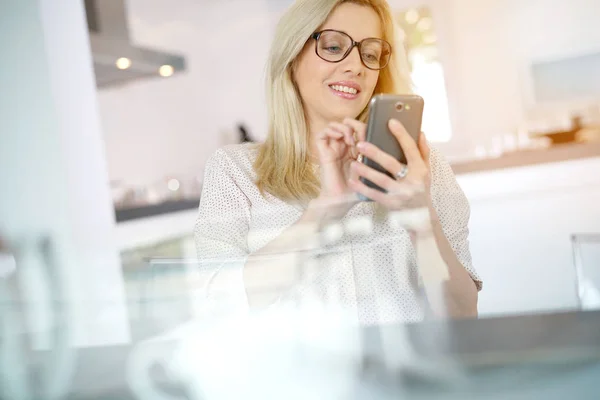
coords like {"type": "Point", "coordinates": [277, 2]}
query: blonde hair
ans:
{"type": "Point", "coordinates": [282, 166]}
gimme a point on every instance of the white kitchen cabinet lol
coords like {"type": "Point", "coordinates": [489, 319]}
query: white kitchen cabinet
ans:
{"type": "Point", "coordinates": [521, 224]}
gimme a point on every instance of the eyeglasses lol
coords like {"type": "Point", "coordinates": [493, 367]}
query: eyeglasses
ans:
{"type": "Point", "coordinates": [334, 46]}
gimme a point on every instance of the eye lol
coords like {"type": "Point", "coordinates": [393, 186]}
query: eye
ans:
{"type": "Point", "coordinates": [370, 57]}
{"type": "Point", "coordinates": [332, 48]}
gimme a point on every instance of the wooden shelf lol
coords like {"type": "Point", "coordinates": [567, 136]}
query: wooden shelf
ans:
{"type": "Point", "coordinates": [558, 153]}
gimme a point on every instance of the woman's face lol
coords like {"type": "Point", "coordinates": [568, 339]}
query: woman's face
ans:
{"type": "Point", "coordinates": [321, 83]}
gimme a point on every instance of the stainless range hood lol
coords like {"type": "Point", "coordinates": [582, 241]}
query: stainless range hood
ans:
{"type": "Point", "coordinates": [109, 39]}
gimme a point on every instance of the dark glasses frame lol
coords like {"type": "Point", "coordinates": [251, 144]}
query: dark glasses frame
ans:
{"type": "Point", "coordinates": [317, 35]}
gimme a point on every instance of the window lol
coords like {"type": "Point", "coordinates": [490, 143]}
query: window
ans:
{"type": "Point", "coordinates": [426, 71]}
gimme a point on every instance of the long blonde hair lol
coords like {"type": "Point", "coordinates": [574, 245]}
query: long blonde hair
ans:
{"type": "Point", "coordinates": [282, 166]}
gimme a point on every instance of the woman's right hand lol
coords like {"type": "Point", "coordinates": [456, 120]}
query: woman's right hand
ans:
{"type": "Point", "coordinates": [336, 148]}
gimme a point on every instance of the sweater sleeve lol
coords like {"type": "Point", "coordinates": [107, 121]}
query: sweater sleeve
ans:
{"type": "Point", "coordinates": [453, 210]}
{"type": "Point", "coordinates": [220, 234]}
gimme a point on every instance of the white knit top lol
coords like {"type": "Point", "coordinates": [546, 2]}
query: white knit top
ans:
{"type": "Point", "coordinates": [374, 274]}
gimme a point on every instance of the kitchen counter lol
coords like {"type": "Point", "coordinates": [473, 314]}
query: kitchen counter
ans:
{"type": "Point", "coordinates": [558, 153]}
{"type": "Point", "coordinates": [155, 229]}
{"type": "Point", "coordinates": [150, 210]}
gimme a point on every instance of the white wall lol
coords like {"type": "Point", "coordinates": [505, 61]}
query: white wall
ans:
{"type": "Point", "coordinates": [169, 127]}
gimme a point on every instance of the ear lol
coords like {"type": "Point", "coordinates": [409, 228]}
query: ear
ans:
{"type": "Point", "coordinates": [293, 66]}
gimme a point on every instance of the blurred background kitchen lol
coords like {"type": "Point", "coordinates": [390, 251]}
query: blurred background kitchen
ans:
{"type": "Point", "coordinates": [110, 108]}
{"type": "Point", "coordinates": [513, 100]}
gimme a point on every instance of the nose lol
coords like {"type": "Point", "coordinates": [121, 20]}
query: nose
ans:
{"type": "Point", "coordinates": [353, 62]}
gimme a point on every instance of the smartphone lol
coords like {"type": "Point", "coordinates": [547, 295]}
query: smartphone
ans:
{"type": "Point", "coordinates": [408, 109]}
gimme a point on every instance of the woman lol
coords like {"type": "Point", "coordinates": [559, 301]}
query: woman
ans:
{"type": "Point", "coordinates": [263, 206]}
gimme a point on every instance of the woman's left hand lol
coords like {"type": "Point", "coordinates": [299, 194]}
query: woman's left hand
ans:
{"type": "Point", "coordinates": [410, 187]}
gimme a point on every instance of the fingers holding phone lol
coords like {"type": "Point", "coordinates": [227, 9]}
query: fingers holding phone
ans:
{"type": "Point", "coordinates": [406, 189]}
{"type": "Point", "coordinates": [395, 168]}
{"type": "Point", "coordinates": [407, 143]}
{"type": "Point", "coordinates": [358, 130]}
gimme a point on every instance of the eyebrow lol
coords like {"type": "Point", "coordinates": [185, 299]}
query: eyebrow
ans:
{"type": "Point", "coordinates": [339, 30]}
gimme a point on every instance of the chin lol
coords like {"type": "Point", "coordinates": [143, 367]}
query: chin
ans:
{"type": "Point", "coordinates": [341, 114]}
{"type": "Point", "coordinates": [354, 114]}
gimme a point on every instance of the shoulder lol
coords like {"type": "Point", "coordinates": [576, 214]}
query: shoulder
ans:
{"type": "Point", "coordinates": [239, 153]}
{"type": "Point", "coordinates": [233, 165]}
{"type": "Point", "coordinates": [440, 168]}
{"type": "Point", "coordinates": [235, 157]}
{"type": "Point", "coordinates": [446, 192]}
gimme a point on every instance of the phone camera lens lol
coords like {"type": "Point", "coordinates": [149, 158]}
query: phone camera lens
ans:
{"type": "Point", "coordinates": [399, 106]}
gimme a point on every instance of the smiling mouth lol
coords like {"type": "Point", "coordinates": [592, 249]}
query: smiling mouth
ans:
{"type": "Point", "coordinates": [344, 89]}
